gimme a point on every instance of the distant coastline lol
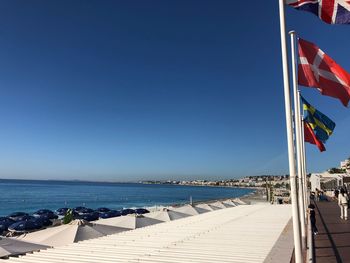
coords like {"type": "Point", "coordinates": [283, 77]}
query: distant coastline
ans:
{"type": "Point", "coordinates": [115, 182]}
{"type": "Point", "coordinates": [252, 182]}
{"type": "Point", "coordinates": [71, 181]}
{"type": "Point", "coordinates": [230, 186]}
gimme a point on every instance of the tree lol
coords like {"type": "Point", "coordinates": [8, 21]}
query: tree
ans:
{"type": "Point", "coordinates": [278, 185]}
{"type": "Point", "coordinates": [68, 217]}
{"type": "Point", "coordinates": [335, 170]}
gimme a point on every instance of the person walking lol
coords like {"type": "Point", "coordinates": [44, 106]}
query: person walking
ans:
{"type": "Point", "coordinates": [336, 193]}
{"type": "Point", "coordinates": [317, 195]}
{"type": "Point", "coordinates": [343, 204]}
{"type": "Point", "coordinates": [313, 219]}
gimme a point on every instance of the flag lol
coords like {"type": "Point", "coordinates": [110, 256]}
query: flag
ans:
{"type": "Point", "coordinates": [316, 69]}
{"type": "Point", "coordinates": [330, 11]}
{"type": "Point", "coordinates": [310, 137]}
{"type": "Point", "coordinates": [322, 125]}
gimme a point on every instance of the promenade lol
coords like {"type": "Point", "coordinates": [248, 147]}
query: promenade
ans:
{"type": "Point", "coordinates": [332, 244]}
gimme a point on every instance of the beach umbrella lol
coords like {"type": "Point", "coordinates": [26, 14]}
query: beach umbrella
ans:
{"type": "Point", "coordinates": [5, 223]}
{"type": "Point", "coordinates": [75, 231]}
{"type": "Point", "coordinates": [83, 210]}
{"type": "Point", "coordinates": [16, 215]}
{"type": "Point", "coordinates": [141, 211]}
{"type": "Point", "coordinates": [185, 209]}
{"type": "Point", "coordinates": [103, 210]}
{"type": "Point", "coordinates": [12, 247]}
{"type": "Point", "coordinates": [203, 208]}
{"type": "Point", "coordinates": [42, 212]}
{"type": "Point", "coordinates": [25, 226]}
{"type": "Point", "coordinates": [112, 213]}
{"type": "Point", "coordinates": [90, 216]}
{"type": "Point", "coordinates": [86, 211]}
{"type": "Point", "coordinates": [129, 221]}
{"type": "Point", "coordinates": [25, 218]}
{"type": "Point", "coordinates": [6, 219]}
{"type": "Point", "coordinates": [48, 216]}
{"type": "Point", "coordinates": [127, 211]}
{"type": "Point", "coordinates": [62, 211]}
{"type": "Point", "coordinates": [166, 215]}
{"type": "Point", "coordinates": [45, 220]}
{"type": "Point", "coordinates": [80, 210]}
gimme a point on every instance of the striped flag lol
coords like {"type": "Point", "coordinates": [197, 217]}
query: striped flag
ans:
{"type": "Point", "coordinates": [329, 11]}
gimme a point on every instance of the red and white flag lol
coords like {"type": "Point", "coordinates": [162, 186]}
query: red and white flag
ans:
{"type": "Point", "coordinates": [316, 69]}
{"type": "Point", "coordinates": [330, 11]}
{"type": "Point", "coordinates": [310, 137]}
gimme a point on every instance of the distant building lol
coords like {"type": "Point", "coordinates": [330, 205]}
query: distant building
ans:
{"type": "Point", "coordinates": [345, 165]}
{"type": "Point", "coordinates": [326, 181]}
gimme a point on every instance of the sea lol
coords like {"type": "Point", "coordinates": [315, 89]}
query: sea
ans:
{"type": "Point", "coordinates": [32, 195]}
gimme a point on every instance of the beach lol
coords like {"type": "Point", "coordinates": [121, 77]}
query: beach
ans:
{"type": "Point", "coordinates": [257, 196]}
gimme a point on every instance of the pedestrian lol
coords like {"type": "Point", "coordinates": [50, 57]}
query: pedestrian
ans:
{"type": "Point", "coordinates": [313, 219]}
{"type": "Point", "coordinates": [317, 195]}
{"type": "Point", "coordinates": [343, 204]}
{"type": "Point", "coordinates": [336, 193]}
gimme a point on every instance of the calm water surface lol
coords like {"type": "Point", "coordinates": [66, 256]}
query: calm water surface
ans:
{"type": "Point", "coordinates": [29, 196]}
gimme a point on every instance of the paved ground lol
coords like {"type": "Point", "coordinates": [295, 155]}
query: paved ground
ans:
{"type": "Point", "coordinates": [332, 244]}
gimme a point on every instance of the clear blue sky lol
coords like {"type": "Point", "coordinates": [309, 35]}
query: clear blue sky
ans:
{"type": "Point", "coordinates": [127, 90]}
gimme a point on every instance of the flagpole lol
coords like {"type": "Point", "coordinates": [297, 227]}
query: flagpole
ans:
{"type": "Point", "coordinates": [304, 166]}
{"type": "Point", "coordinates": [302, 158]}
{"type": "Point", "coordinates": [289, 126]}
{"type": "Point", "coordinates": [307, 193]}
{"type": "Point", "coordinates": [297, 127]}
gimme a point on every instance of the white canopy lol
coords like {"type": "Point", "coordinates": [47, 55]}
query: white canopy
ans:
{"type": "Point", "coordinates": [217, 205]}
{"type": "Point", "coordinates": [166, 215]}
{"type": "Point", "coordinates": [12, 247]}
{"type": "Point", "coordinates": [228, 203]}
{"type": "Point", "coordinates": [202, 208]}
{"type": "Point", "coordinates": [129, 221]}
{"type": "Point", "coordinates": [185, 209]}
{"type": "Point", "coordinates": [247, 233]}
{"type": "Point", "coordinates": [239, 201]}
{"type": "Point", "coordinates": [75, 231]}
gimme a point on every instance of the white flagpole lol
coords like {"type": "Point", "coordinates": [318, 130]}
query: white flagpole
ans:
{"type": "Point", "coordinates": [289, 124]}
{"type": "Point", "coordinates": [297, 138]}
{"type": "Point", "coordinates": [302, 159]}
{"type": "Point", "coordinates": [307, 197]}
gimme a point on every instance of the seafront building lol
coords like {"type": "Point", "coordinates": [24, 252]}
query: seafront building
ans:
{"type": "Point", "coordinates": [332, 179]}
{"type": "Point", "coordinates": [249, 181]}
{"type": "Point", "coordinates": [326, 181]}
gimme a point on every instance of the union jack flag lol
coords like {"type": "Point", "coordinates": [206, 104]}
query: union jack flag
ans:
{"type": "Point", "coordinates": [330, 11]}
